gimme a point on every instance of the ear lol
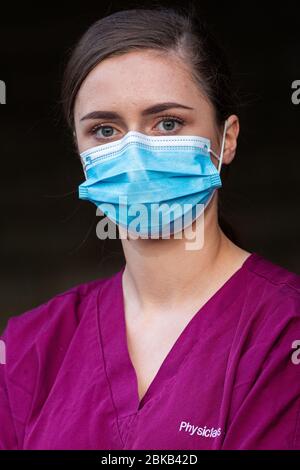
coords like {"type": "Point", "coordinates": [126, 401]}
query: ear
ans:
{"type": "Point", "coordinates": [232, 132]}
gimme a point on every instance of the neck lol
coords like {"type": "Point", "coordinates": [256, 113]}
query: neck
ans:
{"type": "Point", "coordinates": [163, 272]}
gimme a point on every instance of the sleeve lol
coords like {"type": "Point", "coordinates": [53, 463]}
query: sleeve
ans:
{"type": "Point", "coordinates": [18, 376]}
{"type": "Point", "coordinates": [35, 344]}
{"type": "Point", "coordinates": [265, 411]}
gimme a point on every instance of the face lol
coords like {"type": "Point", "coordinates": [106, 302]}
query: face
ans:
{"type": "Point", "coordinates": [149, 92]}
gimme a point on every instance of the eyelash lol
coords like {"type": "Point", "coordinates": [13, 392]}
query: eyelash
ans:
{"type": "Point", "coordinates": [163, 118]}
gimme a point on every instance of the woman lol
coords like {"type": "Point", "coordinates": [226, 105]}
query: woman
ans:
{"type": "Point", "coordinates": [185, 347]}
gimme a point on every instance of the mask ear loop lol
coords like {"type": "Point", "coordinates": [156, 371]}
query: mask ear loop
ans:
{"type": "Point", "coordinates": [220, 158]}
{"type": "Point", "coordinates": [83, 166]}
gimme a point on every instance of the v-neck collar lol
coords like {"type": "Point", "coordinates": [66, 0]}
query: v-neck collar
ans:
{"type": "Point", "coordinates": [119, 368]}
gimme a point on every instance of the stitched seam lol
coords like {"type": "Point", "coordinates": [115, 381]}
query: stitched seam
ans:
{"type": "Point", "coordinates": [104, 362]}
{"type": "Point", "coordinates": [112, 157]}
{"type": "Point", "coordinates": [167, 383]}
{"type": "Point", "coordinates": [117, 144]}
{"type": "Point", "coordinates": [158, 147]}
{"type": "Point", "coordinates": [295, 289]}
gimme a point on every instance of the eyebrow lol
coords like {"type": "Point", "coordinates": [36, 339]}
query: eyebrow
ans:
{"type": "Point", "coordinates": [157, 108]}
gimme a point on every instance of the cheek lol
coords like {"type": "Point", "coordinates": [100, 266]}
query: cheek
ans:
{"type": "Point", "coordinates": [215, 145]}
{"type": "Point", "coordinates": [207, 128]}
{"type": "Point", "coordinates": [216, 139]}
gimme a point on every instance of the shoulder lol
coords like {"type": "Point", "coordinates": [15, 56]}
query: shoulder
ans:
{"type": "Point", "coordinates": [269, 323]}
{"type": "Point", "coordinates": [266, 352]}
{"type": "Point", "coordinates": [267, 337]}
{"type": "Point", "coordinates": [59, 315]}
{"type": "Point", "coordinates": [36, 344]}
{"type": "Point", "coordinates": [265, 271]}
{"type": "Point", "coordinates": [270, 287]}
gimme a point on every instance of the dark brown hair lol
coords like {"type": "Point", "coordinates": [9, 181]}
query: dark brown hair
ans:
{"type": "Point", "coordinates": [176, 30]}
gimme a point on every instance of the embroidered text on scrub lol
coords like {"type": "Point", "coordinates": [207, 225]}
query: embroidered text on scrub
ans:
{"type": "Point", "coordinates": [202, 432]}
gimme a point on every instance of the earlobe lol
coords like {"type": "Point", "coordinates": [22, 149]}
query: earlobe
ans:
{"type": "Point", "coordinates": [232, 133]}
{"type": "Point", "coordinates": [229, 154]}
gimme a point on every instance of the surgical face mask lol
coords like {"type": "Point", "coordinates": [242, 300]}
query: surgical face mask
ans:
{"type": "Point", "coordinates": [151, 185]}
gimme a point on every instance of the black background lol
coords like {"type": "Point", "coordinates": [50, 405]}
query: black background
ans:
{"type": "Point", "coordinates": [48, 241]}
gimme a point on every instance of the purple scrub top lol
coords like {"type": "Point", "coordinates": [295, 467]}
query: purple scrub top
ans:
{"type": "Point", "coordinates": [230, 381]}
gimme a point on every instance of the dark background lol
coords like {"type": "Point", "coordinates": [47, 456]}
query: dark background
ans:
{"type": "Point", "coordinates": [48, 241]}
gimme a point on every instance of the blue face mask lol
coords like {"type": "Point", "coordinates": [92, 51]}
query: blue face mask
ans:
{"type": "Point", "coordinates": [151, 185]}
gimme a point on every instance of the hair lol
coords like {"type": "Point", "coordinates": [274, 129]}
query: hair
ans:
{"type": "Point", "coordinates": [170, 30]}
{"type": "Point", "coordinates": [159, 28]}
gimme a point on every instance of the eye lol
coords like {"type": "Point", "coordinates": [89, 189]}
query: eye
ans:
{"type": "Point", "coordinates": [169, 123]}
{"type": "Point", "coordinates": [105, 131]}
{"type": "Point", "coordinates": [102, 131]}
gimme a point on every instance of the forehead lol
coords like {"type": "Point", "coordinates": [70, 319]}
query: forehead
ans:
{"type": "Point", "coordinates": [136, 78]}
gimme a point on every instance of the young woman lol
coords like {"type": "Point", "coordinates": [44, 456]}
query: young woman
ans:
{"type": "Point", "coordinates": [184, 348]}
